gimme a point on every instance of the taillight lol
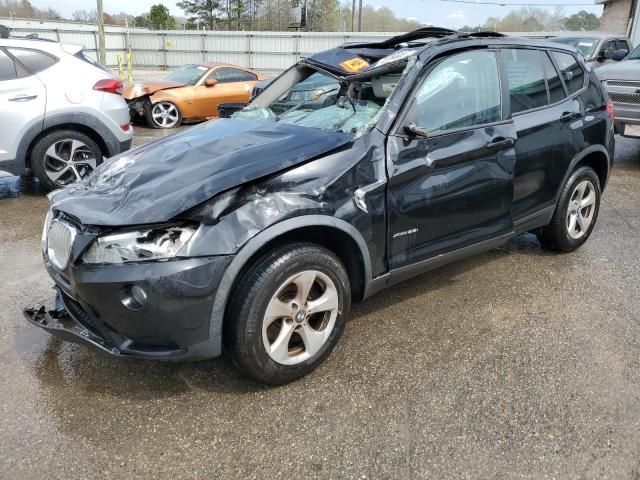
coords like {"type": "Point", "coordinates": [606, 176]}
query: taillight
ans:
{"type": "Point", "coordinates": [125, 127]}
{"type": "Point", "coordinates": [109, 85]}
{"type": "Point", "coordinates": [610, 109]}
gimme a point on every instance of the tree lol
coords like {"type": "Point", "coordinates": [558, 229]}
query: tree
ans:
{"type": "Point", "coordinates": [85, 16]}
{"type": "Point", "coordinates": [203, 12]}
{"type": "Point", "coordinates": [159, 18]}
{"type": "Point", "coordinates": [582, 21]}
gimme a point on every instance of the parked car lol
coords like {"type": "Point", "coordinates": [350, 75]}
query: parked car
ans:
{"type": "Point", "coordinates": [598, 48]}
{"type": "Point", "coordinates": [256, 233]}
{"type": "Point", "coordinates": [622, 82]}
{"type": "Point", "coordinates": [190, 94]}
{"type": "Point", "coordinates": [61, 113]}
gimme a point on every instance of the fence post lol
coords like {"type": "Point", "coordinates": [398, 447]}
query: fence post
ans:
{"type": "Point", "coordinates": [249, 50]}
{"type": "Point", "coordinates": [297, 53]}
{"type": "Point", "coordinates": [204, 47]}
{"type": "Point", "coordinates": [95, 44]}
{"type": "Point", "coordinates": [58, 35]}
{"type": "Point", "coordinates": [164, 51]}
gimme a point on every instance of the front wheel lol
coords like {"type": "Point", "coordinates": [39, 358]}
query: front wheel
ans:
{"type": "Point", "coordinates": [576, 212]}
{"type": "Point", "coordinates": [287, 313]}
{"type": "Point", "coordinates": [163, 115]}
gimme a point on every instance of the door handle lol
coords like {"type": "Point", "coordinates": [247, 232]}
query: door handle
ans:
{"type": "Point", "coordinates": [568, 116]}
{"type": "Point", "coordinates": [23, 98]}
{"type": "Point", "coordinates": [500, 143]}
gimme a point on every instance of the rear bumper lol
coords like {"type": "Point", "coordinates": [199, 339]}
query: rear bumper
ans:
{"type": "Point", "coordinates": [93, 307]}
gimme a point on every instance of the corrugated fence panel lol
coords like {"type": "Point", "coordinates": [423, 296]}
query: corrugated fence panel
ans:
{"type": "Point", "coordinates": [269, 51]}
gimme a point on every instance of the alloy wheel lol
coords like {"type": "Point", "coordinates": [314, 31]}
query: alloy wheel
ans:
{"type": "Point", "coordinates": [581, 209]}
{"type": "Point", "coordinates": [68, 161]}
{"type": "Point", "coordinates": [300, 317]}
{"type": "Point", "coordinates": [165, 114]}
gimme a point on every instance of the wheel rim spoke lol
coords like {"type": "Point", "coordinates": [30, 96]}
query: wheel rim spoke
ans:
{"type": "Point", "coordinates": [304, 282]}
{"type": "Point", "coordinates": [327, 302]}
{"type": "Point", "coordinates": [581, 209]}
{"type": "Point", "coordinates": [280, 347]}
{"type": "Point", "coordinates": [52, 152]}
{"type": "Point", "coordinates": [312, 339]}
{"type": "Point", "coordinates": [56, 175]}
{"type": "Point", "coordinates": [278, 309]}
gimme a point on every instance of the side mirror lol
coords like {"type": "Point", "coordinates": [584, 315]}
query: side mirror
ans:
{"type": "Point", "coordinates": [619, 54]}
{"type": "Point", "coordinates": [210, 82]}
{"type": "Point", "coordinates": [602, 56]}
{"type": "Point", "coordinates": [415, 131]}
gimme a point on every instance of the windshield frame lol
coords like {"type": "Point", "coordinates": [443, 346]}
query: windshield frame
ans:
{"type": "Point", "coordinates": [205, 72]}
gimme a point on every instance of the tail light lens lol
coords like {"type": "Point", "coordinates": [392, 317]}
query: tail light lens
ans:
{"type": "Point", "coordinates": [109, 85]}
{"type": "Point", "coordinates": [610, 109]}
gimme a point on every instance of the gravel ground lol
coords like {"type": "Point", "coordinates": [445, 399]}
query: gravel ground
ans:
{"type": "Point", "coordinates": [518, 363]}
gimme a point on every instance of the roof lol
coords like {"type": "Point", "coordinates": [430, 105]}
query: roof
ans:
{"type": "Point", "coordinates": [220, 64]}
{"type": "Point", "coordinates": [361, 59]}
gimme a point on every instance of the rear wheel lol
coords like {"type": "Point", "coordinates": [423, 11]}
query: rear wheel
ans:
{"type": "Point", "coordinates": [287, 313]}
{"type": "Point", "coordinates": [576, 212]}
{"type": "Point", "coordinates": [163, 115]}
{"type": "Point", "coordinates": [63, 157]}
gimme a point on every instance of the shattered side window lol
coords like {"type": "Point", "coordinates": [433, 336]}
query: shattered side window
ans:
{"type": "Point", "coordinates": [318, 100]}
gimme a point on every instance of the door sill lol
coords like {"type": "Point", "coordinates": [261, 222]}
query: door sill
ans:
{"type": "Point", "coordinates": [404, 273]}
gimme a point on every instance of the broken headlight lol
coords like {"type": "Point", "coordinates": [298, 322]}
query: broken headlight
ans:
{"type": "Point", "coordinates": [154, 243]}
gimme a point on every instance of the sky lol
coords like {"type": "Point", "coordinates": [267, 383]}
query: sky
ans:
{"type": "Point", "coordinates": [435, 12]}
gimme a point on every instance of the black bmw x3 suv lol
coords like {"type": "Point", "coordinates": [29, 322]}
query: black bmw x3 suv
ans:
{"type": "Point", "coordinates": [252, 235]}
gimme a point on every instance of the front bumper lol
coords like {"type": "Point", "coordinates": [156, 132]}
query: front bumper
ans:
{"type": "Point", "coordinates": [172, 324]}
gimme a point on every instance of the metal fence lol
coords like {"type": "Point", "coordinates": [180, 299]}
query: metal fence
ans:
{"type": "Point", "coordinates": [169, 49]}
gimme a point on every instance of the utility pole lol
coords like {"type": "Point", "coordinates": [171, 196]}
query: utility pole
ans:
{"type": "Point", "coordinates": [360, 17]}
{"type": "Point", "coordinates": [353, 16]}
{"type": "Point", "coordinates": [102, 58]}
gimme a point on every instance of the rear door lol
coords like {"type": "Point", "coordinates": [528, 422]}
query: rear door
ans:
{"type": "Point", "coordinates": [546, 122]}
{"type": "Point", "coordinates": [452, 186]}
{"type": "Point", "coordinates": [23, 99]}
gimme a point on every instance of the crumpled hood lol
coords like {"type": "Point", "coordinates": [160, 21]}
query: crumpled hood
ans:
{"type": "Point", "coordinates": [140, 89]}
{"type": "Point", "coordinates": [162, 179]}
{"type": "Point", "coordinates": [624, 70]}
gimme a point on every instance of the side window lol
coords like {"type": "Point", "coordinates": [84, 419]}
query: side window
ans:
{"type": "Point", "coordinates": [527, 87]}
{"type": "Point", "coordinates": [608, 48]}
{"type": "Point", "coordinates": [461, 91]}
{"type": "Point", "coordinates": [7, 67]}
{"type": "Point", "coordinates": [622, 44]}
{"type": "Point", "coordinates": [34, 60]}
{"type": "Point", "coordinates": [230, 75]}
{"type": "Point", "coordinates": [571, 71]}
{"type": "Point", "coordinates": [556, 90]}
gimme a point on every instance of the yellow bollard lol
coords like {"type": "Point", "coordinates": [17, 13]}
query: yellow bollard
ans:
{"type": "Point", "coordinates": [120, 71]}
{"type": "Point", "coordinates": [129, 74]}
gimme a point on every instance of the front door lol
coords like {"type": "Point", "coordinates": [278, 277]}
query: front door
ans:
{"type": "Point", "coordinates": [451, 172]}
{"type": "Point", "coordinates": [23, 100]}
{"type": "Point", "coordinates": [234, 86]}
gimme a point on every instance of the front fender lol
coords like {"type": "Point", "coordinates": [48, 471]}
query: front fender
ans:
{"type": "Point", "coordinates": [246, 253]}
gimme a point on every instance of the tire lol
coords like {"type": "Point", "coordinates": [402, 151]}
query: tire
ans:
{"type": "Point", "coordinates": [272, 285]}
{"type": "Point", "coordinates": [170, 115]}
{"type": "Point", "coordinates": [571, 225]}
{"type": "Point", "coordinates": [63, 157]}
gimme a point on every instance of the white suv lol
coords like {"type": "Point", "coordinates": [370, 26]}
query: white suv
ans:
{"type": "Point", "coordinates": [61, 113]}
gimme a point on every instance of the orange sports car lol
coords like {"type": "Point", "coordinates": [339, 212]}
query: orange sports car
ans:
{"type": "Point", "coordinates": [190, 94]}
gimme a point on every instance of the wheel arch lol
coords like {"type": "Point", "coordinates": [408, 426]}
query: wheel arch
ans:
{"type": "Point", "coordinates": [595, 157]}
{"type": "Point", "coordinates": [84, 123]}
{"type": "Point", "coordinates": [338, 236]}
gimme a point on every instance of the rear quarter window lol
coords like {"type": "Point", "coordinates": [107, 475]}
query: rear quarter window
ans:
{"type": "Point", "coordinates": [571, 71]}
{"type": "Point", "coordinates": [35, 60]}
